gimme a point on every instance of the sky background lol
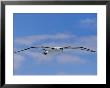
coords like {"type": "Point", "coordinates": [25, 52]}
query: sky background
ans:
{"type": "Point", "coordinates": [55, 29]}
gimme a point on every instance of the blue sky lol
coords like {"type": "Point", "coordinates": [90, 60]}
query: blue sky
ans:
{"type": "Point", "coordinates": [55, 29]}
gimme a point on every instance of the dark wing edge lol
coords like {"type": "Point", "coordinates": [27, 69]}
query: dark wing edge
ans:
{"type": "Point", "coordinates": [81, 48]}
{"type": "Point", "coordinates": [46, 47]}
{"type": "Point", "coordinates": [43, 47]}
{"type": "Point", "coordinates": [25, 49]}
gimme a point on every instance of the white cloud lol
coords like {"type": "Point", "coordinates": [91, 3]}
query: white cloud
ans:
{"type": "Point", "coordinates": [67, 58]}
{"type": "Point", "coordinates": [18, 59]}
{"type": "Point", "coordinates": [87, 41]}
{"type": "Point", "coordinates": [58, 39]}
{"type": "Point", "coordinates": [88, 21]}
{"type": "Point", "coordinates": [28, 40]}
{"type": "Point", "coordinates": [39, 57]}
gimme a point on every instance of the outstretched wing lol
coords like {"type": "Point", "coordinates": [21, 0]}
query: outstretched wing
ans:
{"type": "Point", "coordinates": [31, 48]}
{"type": "Point", "coordinates": [81, 48]}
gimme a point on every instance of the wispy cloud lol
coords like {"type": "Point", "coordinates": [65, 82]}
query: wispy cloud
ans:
{"type": "Point", "coordinates": [67, 57]}
{"type": "Point", "coordinates": [88, 21]}
{"type": "Point", "coordinates": [87, 41]}
{"type": "Point", "coordinates": [58, 39]}
{"type": "Point", "coordinates": [18, 59]}
{"type": "Point", "coordinates": [39, 58]}
{"type": "Point", "coordinates": [28, 40]}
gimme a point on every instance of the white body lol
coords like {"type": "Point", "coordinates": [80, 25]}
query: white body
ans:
{"type": "Point", "coordinates": [53, 49]}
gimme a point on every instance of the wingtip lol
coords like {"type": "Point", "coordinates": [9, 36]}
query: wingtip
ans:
{"type": "Point", "coordinates": [93, 51]}
{"type": "Point", "coordinates": [81, 47]}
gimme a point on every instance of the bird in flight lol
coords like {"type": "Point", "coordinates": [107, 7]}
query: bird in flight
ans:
{"type": "Point", "coordinates": [47, 49]}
